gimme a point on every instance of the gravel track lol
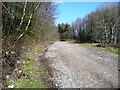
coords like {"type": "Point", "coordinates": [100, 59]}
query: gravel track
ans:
{"type": "Point", "coordinates": [77, 66]}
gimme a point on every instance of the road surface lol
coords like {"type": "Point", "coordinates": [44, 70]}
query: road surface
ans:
{"type": "Point", "coordinates": [77, 66]}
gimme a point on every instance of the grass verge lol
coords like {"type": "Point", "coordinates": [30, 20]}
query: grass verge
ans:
{"type": "Point", "coordinates": [110, 49]}
{"type": "Point", "coordinates": [29, 69]}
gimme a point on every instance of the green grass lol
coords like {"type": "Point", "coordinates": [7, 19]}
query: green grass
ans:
{"type": "Point", "coordinates": [110, 49]}
{"type": "Point", "coordinates": [27, 83]}
{"type": "Point", "coordinates": [113, 50]}
{"type": "Point", "coordinates": [29, 68]}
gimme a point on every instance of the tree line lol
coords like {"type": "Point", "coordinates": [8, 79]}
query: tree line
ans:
{"type": "Point", "coordinates": [25, 24]}
{"type": "Point", "coordinates": [101, 26]}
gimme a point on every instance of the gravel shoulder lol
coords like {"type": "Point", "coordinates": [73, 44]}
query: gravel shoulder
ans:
{"type": "Point", "coordinates": [76, 66]}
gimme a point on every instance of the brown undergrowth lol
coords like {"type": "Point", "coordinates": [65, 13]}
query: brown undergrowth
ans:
{"type": "Point", "coordinates": [44, 64]}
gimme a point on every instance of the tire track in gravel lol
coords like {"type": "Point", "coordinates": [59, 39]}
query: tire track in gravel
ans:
{"type": "Point", "coordinates": [77, 66]}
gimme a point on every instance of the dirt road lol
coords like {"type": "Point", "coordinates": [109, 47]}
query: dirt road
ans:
{"type": "Point", "coordinates": [77, 66]}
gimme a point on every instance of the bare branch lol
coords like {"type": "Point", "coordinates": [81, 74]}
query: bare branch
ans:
{"type": "Point", "coordinates": [26, 26]}
{"type": "Point", "coordinates": [36, 7]}
{"type": "Point", "coordinates": [6, 9]}
{"type": "Point", "coordinates": [23, 14]}
{"type": "Point", "coordinates": [29, 21]}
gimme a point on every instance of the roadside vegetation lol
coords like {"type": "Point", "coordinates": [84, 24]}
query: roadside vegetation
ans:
{"type": "Point", "coordinates": [28, 27]}
{"type": "Point", "coordinates": [99, 46]}
{"type": "Point", "coordinates": [31, 81]}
